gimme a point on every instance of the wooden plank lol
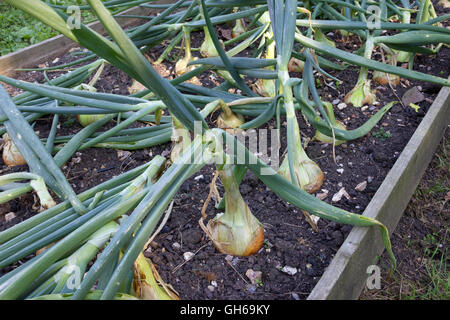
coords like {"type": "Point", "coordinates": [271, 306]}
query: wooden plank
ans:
{"type": "Point", "coordinates": [346, 276]}
{"type": "Point", "coordinates": [51, 48]}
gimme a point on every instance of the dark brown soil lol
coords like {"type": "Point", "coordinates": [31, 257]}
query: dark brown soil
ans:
{"type": "Point", "coordinates": [289, 239]}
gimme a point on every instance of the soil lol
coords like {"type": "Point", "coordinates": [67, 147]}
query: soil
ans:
{"type": "Point", "coordinates": [289, 239]}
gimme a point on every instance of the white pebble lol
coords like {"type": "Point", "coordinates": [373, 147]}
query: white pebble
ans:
{"type": "Point", "coordinates": [340, 170]}
{"type": "Point", "coordinates": [338, 196]}
{"type": "Point", "coordinates": [199, 177]}
{"type": "Point", "coordinates": [9, 216]}
{"type": "Point", "coordinates": [176, 245]}
{"type": "Point", "coordinates": [289, 270]}
{"type": "Point", "coordinates": [342, 106]}
{"type": "Point", "coordinates": [361, 186]}
{"type": "Point", "coordinates": [188, 255]}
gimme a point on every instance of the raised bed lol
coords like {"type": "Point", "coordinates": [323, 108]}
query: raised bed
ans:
{"type": "Point", "coordinates": [346, 275]}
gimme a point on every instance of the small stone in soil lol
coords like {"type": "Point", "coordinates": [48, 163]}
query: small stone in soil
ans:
{"type": "Point", "coordinates": [254, 276]}
{"type": "Point", "coordinates": [9, 216]}
{"type": "Point", "coordinates": [289, 270]}
{"type": "Point", "coordinates": [176, 245]}
{"type": "Point", "coordinates": [338, 196]}
{"type": "Point", "coordinates": [200, 177]}
{"type": "Point", "coordinates": [211, 288]}
{"type": "Point", "coordinates": [361, 186]}
{"type": "Point", "coordinates": [188, 255]}
{"type": "Point", "coordinates": [413, 95]}
{"type": "Point", "coordinates": [342, 106]}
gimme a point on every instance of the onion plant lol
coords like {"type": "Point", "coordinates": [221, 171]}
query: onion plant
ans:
{"type": "Point", "coordinates": [110, 224]}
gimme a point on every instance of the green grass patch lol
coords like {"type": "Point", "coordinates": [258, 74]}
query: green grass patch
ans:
{"type": "Point", "coordinates": [19, 30]}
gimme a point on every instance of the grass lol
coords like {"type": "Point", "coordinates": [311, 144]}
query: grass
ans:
{"type": "Point", "coordinates": [436, 283]}
{"type": "Point", "coordinates": [19, 30]}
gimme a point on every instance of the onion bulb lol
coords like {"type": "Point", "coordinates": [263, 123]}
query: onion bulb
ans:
{"type": "Point", "coordinates": [308, 174]}
{"type": "Point", "coordinates": [147, 283]}
{"type": "Point", "coordinates": [319, 136]}
{"type": "Point", "coordinates": [228, 119]}
{"type": "Point", "coordinates": [11, 155]}
{"type": "Point", "coordinates": [444, 3]}
{"type": "Point", "coordinates": [238, 29]}
{"type": "Point", "coordinates": [383, 78]}
{"type": "Point", "coordinates": [295, 65]}
{"type": "Point", "coordinates": [236, 232]}
{"type": "Point", "coordinates": [207, 49]}
{"type": "Point", "coordinates": [361, 94]}
{"type": "Point", "coordinates": [265, 87]}
{"type": "Point", "coordinates": [87, 119]}
{"type": "Point", "coordinates": [181, 65]}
